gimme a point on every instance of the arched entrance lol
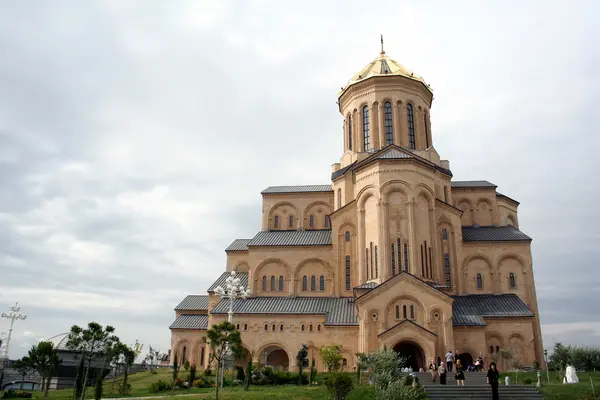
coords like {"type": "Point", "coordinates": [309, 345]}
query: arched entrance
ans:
{"type": "Point", "coordinates": [276, 357]}
{"type": "Point", "coordinates": [465, 359]}
{"type": "Point", "coordinates": [415, 358]}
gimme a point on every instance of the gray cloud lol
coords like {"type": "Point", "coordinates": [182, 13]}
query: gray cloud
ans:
{"type": "Point", "coordinates": [135, 139]}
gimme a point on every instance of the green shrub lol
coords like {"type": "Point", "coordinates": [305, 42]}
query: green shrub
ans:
{"type": "Point", "coordinates": [408, 380]}
{"type": "Point", "coordinates": [13, 394]}
{"type": "Point", "coordinates": [207, 372]}
{"type": "Point", "coordinates": [527, 381]}
{"type": "Point", "coordinates": [339, 385]}
{"type": "Point", "coordinates": [199, 383]}
{"type": "Point", "coordinates": [124, 389]}
{"type": "Point", "coordinates": [159, 386]}
{"type": "Point", "coordinates": [240, 375]}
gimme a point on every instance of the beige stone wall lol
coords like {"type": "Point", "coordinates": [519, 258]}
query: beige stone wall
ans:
{"type": "Point", "coordinates": [298, 205]}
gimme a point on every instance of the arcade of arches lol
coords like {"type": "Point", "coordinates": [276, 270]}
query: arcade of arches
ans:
{"type": "Point", "coordinates": [392, 252]}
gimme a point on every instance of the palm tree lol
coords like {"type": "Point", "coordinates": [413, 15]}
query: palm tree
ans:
{"type": "Point", "coordinates": [44, 359]}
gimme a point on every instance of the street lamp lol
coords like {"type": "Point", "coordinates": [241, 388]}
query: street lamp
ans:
{"type": "Point", "coordinates": [233, 290]}
{"type": "Point", "coordinates": [547, 370]}
{"type": "Point", "coordinates": [13, 314]}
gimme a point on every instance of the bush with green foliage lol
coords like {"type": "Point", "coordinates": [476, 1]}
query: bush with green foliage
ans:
{"type": "Point", "coordinates": [332, 357]}
{"type": "Point", "coordinates": [13, 394]}
{"type": "Point", "coordinates": [527, 381]}
{"type": "Point", "coordinates": [192, 377]}
{"type": "Point", "coordinates": [186, 365]}
{"type": "Point", "coordinates": [582, 358]}
{"type": "Point", "coordinates": [208, 372]}
{"type": "Point", "coordinates": [239, 373]}
{"type": "Point", "coordinates": [159, 386]}
{"type": "Point", "coordinates": [339, 385]}
{"type": "Point", "coordinates": [313, 372]}
{"type": "Point", "coordinates": [200, 383]}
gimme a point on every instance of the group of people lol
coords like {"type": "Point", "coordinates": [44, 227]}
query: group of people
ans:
{"type": "Point", "coordinates": [453, 362]}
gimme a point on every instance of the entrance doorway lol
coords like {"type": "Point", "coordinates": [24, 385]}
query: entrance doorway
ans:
{"type": "Point", "coordinates": [412, 352]}
{"type": "Point", "coordinates": [276, 357]}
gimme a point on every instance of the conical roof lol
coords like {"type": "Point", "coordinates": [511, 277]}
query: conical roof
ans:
{"type": "Point", "coordinates": [383, 65]}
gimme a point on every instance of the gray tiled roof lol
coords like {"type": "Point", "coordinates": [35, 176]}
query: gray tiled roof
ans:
{"type": "Point", "coordinates": [238, 245]}
{"type": "Point", "coordinates": [297, 189]}
{"type": "Point", "coordinates": [394, 154]}
{"type": "Point", "coordinates": [190, 321]}
{"type": "Point", "coordinates": [338, 311]}
{"type": "Point", "coordinates": [469, 310]}
{"type": "Point", "coordinates": [193, 302]}
{"type": "Point", "coordinates": [506, 197]}
{"type": "Point", "coordinates": [472, 184]}
{"type": "Point", "coordinates": [292, 238]}
{"type": "Point", "coordinates": [367, 285]}
{"type": "Point", "coordinates": [221, 280]}
{"type": "Point", "coordinates": [493, 234]}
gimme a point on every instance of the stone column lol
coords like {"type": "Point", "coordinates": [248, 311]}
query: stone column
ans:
{"type": "Point", "coordinates": [412, 259]}
{"type": "Point", "coordinates": [382, 215]}
{"type": "Point", "coordinates": [361, 247]}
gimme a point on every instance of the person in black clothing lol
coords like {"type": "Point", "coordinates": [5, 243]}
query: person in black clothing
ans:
{"type": "Point", "coordinates": [492, 378]}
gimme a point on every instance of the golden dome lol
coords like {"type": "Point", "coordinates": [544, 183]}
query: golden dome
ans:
{"type": "Point", "coordinates": [384, 66]}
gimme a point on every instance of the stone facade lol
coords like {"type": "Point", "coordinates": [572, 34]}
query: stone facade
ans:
{"type": "Point", "coordinates": [408, 247]}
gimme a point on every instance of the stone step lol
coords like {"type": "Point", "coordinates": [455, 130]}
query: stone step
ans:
{"type": "Point", "coordinates": [482, 392]}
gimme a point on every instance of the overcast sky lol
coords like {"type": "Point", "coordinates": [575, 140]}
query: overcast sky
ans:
{"type": "Point", "coordinates": [136, 136]}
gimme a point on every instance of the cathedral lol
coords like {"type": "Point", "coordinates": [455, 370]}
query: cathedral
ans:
{"type": "Point", "coordinates": [394, 252]}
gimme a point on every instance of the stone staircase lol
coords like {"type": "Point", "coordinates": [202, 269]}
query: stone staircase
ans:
{"type": "Point", "coordinates": [475, 388]}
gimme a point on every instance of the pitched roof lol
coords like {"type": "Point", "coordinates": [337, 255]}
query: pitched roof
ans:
{"type": "Point", "coordinates": [221, 280]}
{"type": "Point", "coordinates": [297, 189]}
{"type": "Point", "coordinates": [190, 321]}
{"type": "Point", "coordinates": [367, 285]}
{"type": "Point", "coordinates": [406, 321]}
{"type": "Point", "coordinates": [389, 152]}
{"type": "Point", "coordinates": [238, 245]}
{"type": "Point", "coordinates": [292, 238]}
{"type": "Point", "coordinates": [193, 302]}
{"type": "Point", "coordinates": [472, 184]}
{"type": "Point", "coordinates": [469, 310]}
{"type": "Point", "coordinates": [498, 194]}
{"type": "Point", "coordinates": [493, 234]}
{"type": "Point", "coordinates": [338, 311]}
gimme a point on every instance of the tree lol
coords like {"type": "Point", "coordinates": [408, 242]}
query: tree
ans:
{"type": "Point", "coordinates": [23, 366]}
{"type": "Point", "coordinates": [192, 375]}
{"type": "Point", "coordinates": [302, 362]}
{"type": "Point", "coordinates": [248, 377]}
{"type": "Point", "coordinates": [175, 368]}
{"type": "Point", "coordinates": [129, 356]}
{"type": "Point", "coordinates": [332, 357]}
{"type": "Point", "coordinates": [93, 341]}
{"type": "Point", "coordinates": [79, 379]}
{"type": "Point", "coordinates": [220, 338]}
{"type": "Point", "coordinates": [44, 359]}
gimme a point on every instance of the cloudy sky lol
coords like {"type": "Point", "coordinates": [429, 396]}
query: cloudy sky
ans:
{"type": "Point", "coordinates": [136, 136]}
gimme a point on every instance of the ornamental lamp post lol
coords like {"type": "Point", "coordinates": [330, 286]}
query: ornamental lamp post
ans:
{"type": "Point", "coordinates": [233, 290]}
{"type": "Point", "coordinates": [13, 314]}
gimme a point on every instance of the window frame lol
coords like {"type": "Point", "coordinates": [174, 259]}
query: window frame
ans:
{"type": "Point", "coordinates": [366, 129]}
{"type": "Point", "coordinates": [410, 119]}
{"type": "Point", "coordinates": [388, 123]}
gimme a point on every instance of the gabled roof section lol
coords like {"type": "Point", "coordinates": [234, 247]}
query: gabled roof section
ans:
{"type": "Point", "coordinates": [401, 274]}
{"type": "Point", "coordinates": [340, 311]}
{"type": "Point", "coordinates": [506, 197]}
{"type": "Point", "coordinates": [406, 321]}
{"type": "Point", "coordinates": [472, 184]}
{"type": "Point", "coordinates": [193, 302]}
{"type": "Point", "coordinates": [389, 152]}
{"type": "Point", "coordinates": [190, 321]}
{"type": "Point", "coordinates": [470, 310]}
{"type": "Point", "coordinates": [493, 234]}
{"type": "Point", "coordinates": [243, 276]}
{"type": "Point", "coordinates": [297, 189]}
{"type": "Point", "coordinates": [320, 237]}
{"type": "Point", "coordinates": [238, 245]}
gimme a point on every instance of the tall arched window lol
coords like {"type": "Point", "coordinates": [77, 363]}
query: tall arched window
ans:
{"type": "Point", "coordinates": [366, 136]}
{"type": "Point", "coordinates": [310, 327]}
{"type": "Point", "coordinates": [347, 236]}
{"type": "Point", "coordinates": [412, 312]}
{"type": "Point", "coordinates": [404, 311]}
{"type": "Point", "coordinates": [302, 329]}
{"type": "Point", "coordinates": [281, 283]}
{"type": "Point", "coordinates": [266, 327]}
{"type": "Point", "coordinates": [313, 283]}
{"type": "Point", "coordinates": [319, 327]}
{"type": "Point", "coordinates": [264, 283]}
{"type": "Point", "coordinates": [304, 283]}
{"type": "Point", "coordinates": [245, 327]}
{"type": "Point", "coordinates": [397, 312]}
{"type": "Point", "coordinates": [183, 354]}
{"type": "Point", "coordinates": [479, 282]}
{"type": "Point", "coordinates": [447, 270]}
{"type": "Point", "coordinates": [367, 261]}
{"type": "Point", "coordinates": [491, 349]}
{"type": "Point", "coordinates": [513, 283]}
{"type": "Point", "coordinates": [276, 223]}
{"type": "Point", "coordinates": [444, 234]}
{"type": "Point", "coordinates": [376, 263]}
{"type": "Point", "coordinates": [339, 198]}
{"type": "Point", "coordinates": [281, 327]}
{"type": "Point", "coordinates": [372, 266]}
{"type": "Point", "coordinates": [393, 261]}
{"type": "Point", "coordinates": [273, 327]}
{"type": "Point", "coordinates": [291, 222]}
{"type": "Point", "coordinates": [327, 223]}
{"type": "Point", "coordinates": [426, 129]}
{"type": "Point", "coordinates": [311, 221]}
{"type": "Point", "coordinates": [272, 283]}
{"type": "Point", "coordinates": [347, 272]}
{"type": "Point", "coordinates": [399, 255]}
{"type": "Point", "coordinates": [321, 283]}
{"type": "Point", "coordinates": [389, 131]}
{"type": "Point", "coordinates": [411, 126]}
{"type": "Point", "coordinates": [406, 257]}
{"type": "Point", "coordinates": [350, 132]}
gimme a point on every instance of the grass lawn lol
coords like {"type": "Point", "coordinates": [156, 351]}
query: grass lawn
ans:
{"type": "Point", "coordinates": [556, 390]}
{"type": "Point", "coordinates": [139, 388]}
